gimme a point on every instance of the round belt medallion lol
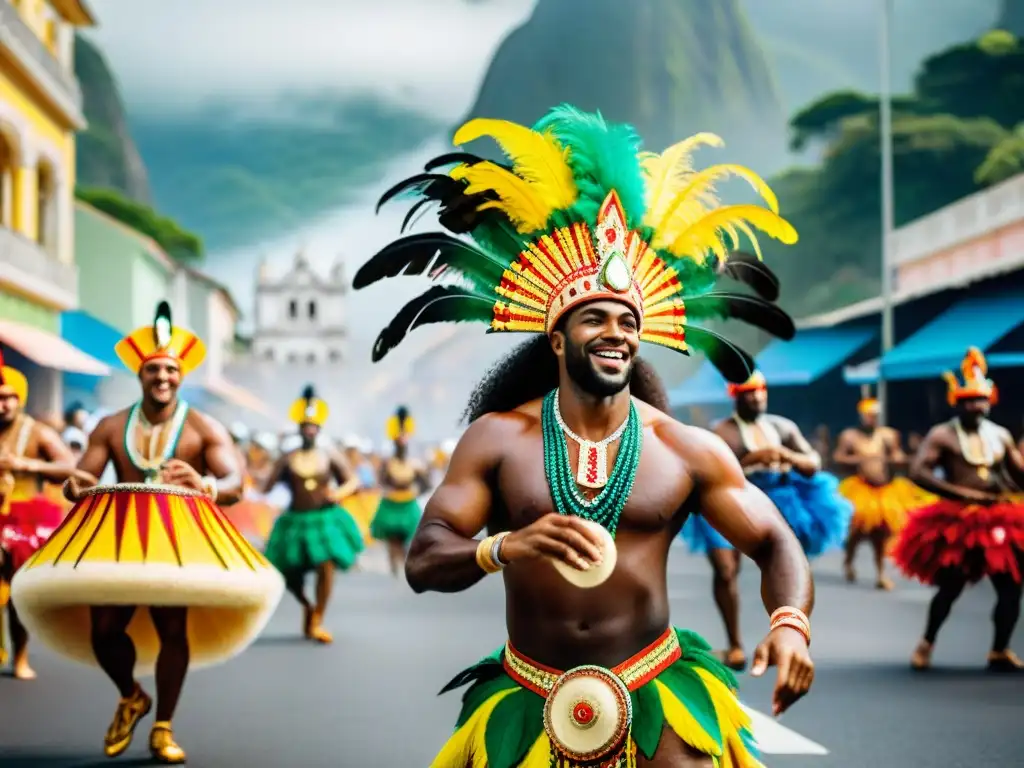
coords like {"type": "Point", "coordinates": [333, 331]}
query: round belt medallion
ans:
{"type": "Point", "coordinates": [588, 713]}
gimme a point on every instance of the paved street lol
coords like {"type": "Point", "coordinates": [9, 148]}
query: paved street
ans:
{"type": "Point", "coordinates": [369, 701]}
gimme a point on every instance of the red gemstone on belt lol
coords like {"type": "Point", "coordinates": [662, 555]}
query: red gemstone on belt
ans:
{"type": "Point", "coordinates": [583, 713]}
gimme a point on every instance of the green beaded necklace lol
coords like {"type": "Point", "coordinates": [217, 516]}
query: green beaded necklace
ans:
{"type": "Point", "coordinates": [607, 506]}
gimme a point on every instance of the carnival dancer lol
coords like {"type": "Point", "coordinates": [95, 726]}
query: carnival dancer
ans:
{"type": "Point", "coordinates": [777, 458]}
{"type": "Point", "coordinates": [402, 479]}
{"type": "Point", "coordinates": [880, 500]}
{"type": "Point", "coordinates": [365, 499]}
{"type": "Point", "coordinates": [314, 533]}
{"type": "Point", "coordinates": [976, 529]}
{"type": "Point", "coordinates": [596, 247]}
{"type": "Point", "coordinates": [155, 541]}
{"type": "Point", "coordinates": [31, 454]}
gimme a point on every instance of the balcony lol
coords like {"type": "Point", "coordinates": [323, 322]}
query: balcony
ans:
{"type": "Point", "coordinates": [26, 266]}
{"type": "Point", "coordinates": [50, 76]}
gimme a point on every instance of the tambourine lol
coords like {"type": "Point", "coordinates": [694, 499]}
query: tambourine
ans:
{"type": "Point", "coordinates": [597, 573]}
{"type": "Point", "coordinates": [587, 714]}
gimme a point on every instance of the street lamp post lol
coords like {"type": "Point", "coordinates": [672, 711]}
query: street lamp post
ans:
{"type": "Point", "coordinates": [885, 137]}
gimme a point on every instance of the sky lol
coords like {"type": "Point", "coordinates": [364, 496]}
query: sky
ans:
{"type": "Point", "coordinates": [187, 53]}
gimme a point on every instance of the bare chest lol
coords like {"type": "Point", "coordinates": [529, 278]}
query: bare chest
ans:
{"type": "Point", "coordinates": [869, 446]}
{"type": "Point", "coordinates": [139, 453]}
{"type": "Point", "coordinates": [660, 491]}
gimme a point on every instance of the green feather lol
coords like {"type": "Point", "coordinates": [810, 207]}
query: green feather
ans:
{"type": "Point", "coordinates": [648, 719]}
{"type": "Point", "coordinates": [683, 683]}
{"type": "Point", "coordinates": [487, 667]}
{"type": "Point", "coordinates": [512, 728]}
{"type": "Point", "coordinates": [603, 157]}
{"type": "Point", "coordinates": [697, 651]}
{"type": "Point", "coordinates": [479, 693]}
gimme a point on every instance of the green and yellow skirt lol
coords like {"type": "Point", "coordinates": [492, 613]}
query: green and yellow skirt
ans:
{"type": "Point", "coordinates": [521, 714]}
{"type": "Point", "coordinates": [302, 541]}
{"type": "Point", "coordinates": [396, 518]}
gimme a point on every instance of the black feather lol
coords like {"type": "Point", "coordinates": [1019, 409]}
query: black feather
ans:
{"type": "Point", "coordinates": [473, 307]}
{"type": "Point", "coordinates": [749, 309]}
{"type": "Point", "coordinates": [422, 180]}
{"type": "Point", "coordinates": [749, 270]}
{"type": "Point", "coordinates": [460, 307]}
{"type": "Point", "coordinates": [412, 212]}
{"type": "Point", "coordinates": [413, 254]}
{"type": "Point", "coordinates": [452, 158]}
{"type": "Point", "coordinates": [308, 393]}
{"type": "Point", "coordinates": [733, 363]}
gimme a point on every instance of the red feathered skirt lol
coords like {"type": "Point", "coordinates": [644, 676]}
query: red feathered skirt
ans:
{"type": "Point", "coordinates": [978, 540]}
{"type": "Point", "coordinates": [27, 527]}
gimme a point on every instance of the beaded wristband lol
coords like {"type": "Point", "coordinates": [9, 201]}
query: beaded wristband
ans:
{"type": "Point", "coordinates": [793, 618]}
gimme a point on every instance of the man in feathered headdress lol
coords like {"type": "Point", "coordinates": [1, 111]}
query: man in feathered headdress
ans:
{"type": "Point", "coordinates": [159, 441]}
{"type": "Point", "coordinates": [594, 246]}
{"type": "Point", "coordinates": [880, 500]}
{"type": "Point", "coordinates": [31, 454]}
{"type": "Point", "coordinates": [402, 480]}
{"type": "Point", "coordinates": [777, 458]}
{"type": "Point", "coordinates": [976, 529]}
{"type": "Point", "coordinates": [315, 534]}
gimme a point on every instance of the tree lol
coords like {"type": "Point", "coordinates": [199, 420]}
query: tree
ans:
{"type": "Point", "coordinates": [176, 241]}
{"type": "Point", "coordinates": [1005, 159]}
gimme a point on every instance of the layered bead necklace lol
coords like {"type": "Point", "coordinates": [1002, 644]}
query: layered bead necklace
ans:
{"type": "Point", "coordinates": [605, 508]}
{"type": "Point", "coordinates": [987, 440]}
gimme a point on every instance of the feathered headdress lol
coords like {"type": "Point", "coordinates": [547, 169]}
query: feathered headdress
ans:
{"type": "Point", "coordinates": [309, 409]}
{"type": "Point", "coordinates": [974, 369]}
{"type": "Point", "coordinates": [14, 379]}
{"type": "Point", "coordinates": [400, 424]}
{"type": "Point", "coordinates": [868, 403]}
{"type": "Point", "coordinates": [161, 340]}
{"type": "Point", "coordinates": [582, 214]}
{"type": "Point", "coordinates": [754, 383]}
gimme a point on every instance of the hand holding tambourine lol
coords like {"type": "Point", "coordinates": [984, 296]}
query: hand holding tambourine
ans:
{"type": "Point", "coordinates": [582, 551]}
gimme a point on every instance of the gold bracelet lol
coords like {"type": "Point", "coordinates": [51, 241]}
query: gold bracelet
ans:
{"type": "Point", "coordinates": [794, 618]}
{"type": "Point", "coordinates": [483, 556]}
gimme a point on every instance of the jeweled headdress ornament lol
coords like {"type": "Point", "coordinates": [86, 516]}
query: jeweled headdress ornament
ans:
{"type": "Point", "coordinates": [400, 424]}
{"type": "Point", "coordinates": [14, 379]}
{"type": "Point", "coordinates": [161, 340]}
{"type": "Point", "coordinates": [974, 369]}
{"type": "Point", "coordinates": [582, 214]}
{"type": "Point", "coordinates": [309, 409]}
{"type": "Point", "coordinates": [754, 383]}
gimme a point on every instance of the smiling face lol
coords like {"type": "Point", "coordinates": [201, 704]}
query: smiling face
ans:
{"type": "Point", "coordinates": [598, 344]}
{"type": "Point", "coordinates": [751, 404]}
{"type": "Point", "coordinates": [160, 379]}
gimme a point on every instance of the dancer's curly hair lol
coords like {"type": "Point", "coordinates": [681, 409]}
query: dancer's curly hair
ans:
{"type": "Point", "coordinates": [530, 371]}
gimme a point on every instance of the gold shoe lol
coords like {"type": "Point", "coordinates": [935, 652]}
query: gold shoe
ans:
{"type": "Point", "coordinates": [1005, 661]}
{"type": "Point", "coordinates": [162, 746]}
{"type": "Point", "coordinates": [317, 631]}
{"type": "Point", "coordinates": [129, 712]}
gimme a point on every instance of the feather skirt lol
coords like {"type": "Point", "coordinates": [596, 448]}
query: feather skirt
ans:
{"type": "Point", "coordinates": [302, 541]}
{"type": "Point", "coordinates": [395, 520]}
{"type": "Point", "coordinates": [27, 527]}
{"type": "Point", "coordinates": [882, 509]}
{"type": "Point", "coordinates": [813, 507]}
{"type": "Point", "coordinates": [977, 540]}
{"type": "Point", "coordinates": [501, 724]}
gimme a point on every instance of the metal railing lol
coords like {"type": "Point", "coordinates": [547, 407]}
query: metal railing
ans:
{"type": "Point", "coordinates": [59, 81]}
{"type": "Point", "coordinates": [42, 272]}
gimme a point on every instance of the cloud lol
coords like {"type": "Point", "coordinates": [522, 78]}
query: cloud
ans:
{"type": "Point", "coordinates": [428, 54]}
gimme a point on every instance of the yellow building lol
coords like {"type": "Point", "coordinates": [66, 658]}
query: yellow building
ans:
{"type": "Point", "coordinates": [40, 112]}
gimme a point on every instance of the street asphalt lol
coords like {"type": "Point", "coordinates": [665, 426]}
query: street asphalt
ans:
{"type": "Point", "coordinates": [370, 700]}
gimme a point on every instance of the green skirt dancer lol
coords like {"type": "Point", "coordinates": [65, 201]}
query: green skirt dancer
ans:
{"type": "Point", "coordinates": [396, 520]}
{"type": "Point", "coordinates": [676, 683]}
{"type": "Point", "coordinates": [302, 541]}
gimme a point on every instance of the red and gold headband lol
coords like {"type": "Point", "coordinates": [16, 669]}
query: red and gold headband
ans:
{"type": "Point", "coordinates": [161, 341]}
{"type": "Point", "coordinates": [974, 369]}
{"type": "Point", "coordinates": [753, 384]}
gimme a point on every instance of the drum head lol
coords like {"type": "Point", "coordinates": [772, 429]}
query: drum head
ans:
{"type": "Point", "coordinates": [588, 713]}
{"type": "Point", "coordinates": [595, 575]}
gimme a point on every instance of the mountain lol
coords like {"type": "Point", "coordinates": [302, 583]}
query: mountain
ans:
{"type": "Point", "coordinates": [669, 67]}
{"type": "Point", "coordinates": [106, 153]}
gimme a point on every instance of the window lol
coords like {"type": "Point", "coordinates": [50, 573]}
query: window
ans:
{"type": "Point", "coordinates": [312, 310]}
{"type": "Point", "coordinates": [334, 356]}
{"type": "Point", "coordinates": [311, 358]}
{"type": "Point", "coordinates": [293, 309]}
{"type": "Point", "coordinates": [46, 199]}
{"type": "Point", "coordinates": [269, 354]}
{"type": "Point", "coordinates": [292, 357]}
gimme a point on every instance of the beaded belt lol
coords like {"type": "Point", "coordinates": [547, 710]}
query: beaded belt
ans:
{"type": "Point", "coordinates": [635, 671]}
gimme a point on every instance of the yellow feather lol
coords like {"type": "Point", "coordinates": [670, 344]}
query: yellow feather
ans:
{"type": "Point", "coordinates": [518, 201]}
{"type": "Point", "coordinates": [664, 171]}
{"type": "Point", "coordinates": [539, 755]}
{"type": "Point", "coordinates": [536, 157]}
{"type": "Point", "coordinates": [703, 235]}
{"type": "Point", "coordinates": [466, 747]}
{"type": "Point", "coordinates": [684, 724]}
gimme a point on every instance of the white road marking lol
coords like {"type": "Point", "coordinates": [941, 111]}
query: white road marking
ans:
{"type": "Point", "coordinates": [773, 738]}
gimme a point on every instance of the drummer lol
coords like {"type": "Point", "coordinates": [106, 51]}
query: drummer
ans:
{"type": "Point", "coordinates": [160, 439]}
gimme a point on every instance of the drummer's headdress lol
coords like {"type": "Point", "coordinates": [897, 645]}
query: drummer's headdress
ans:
{"type": "Point", "coordinates": [580, 214]}
{"type": "Point", "coordinates": [868, 403]}
{"type": "Point", "coordinates": [976, 383]}
{"type": "Point", "coordinates": [309, 409]}
{"type": "Point", "coordinates": [161, 340]}
{"type": "Point", "coordinates": [400, 424]}
{"type": "Point", "coordinates": [754, 383]}
{"type": "Point", "coordinates": [14, 379]}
